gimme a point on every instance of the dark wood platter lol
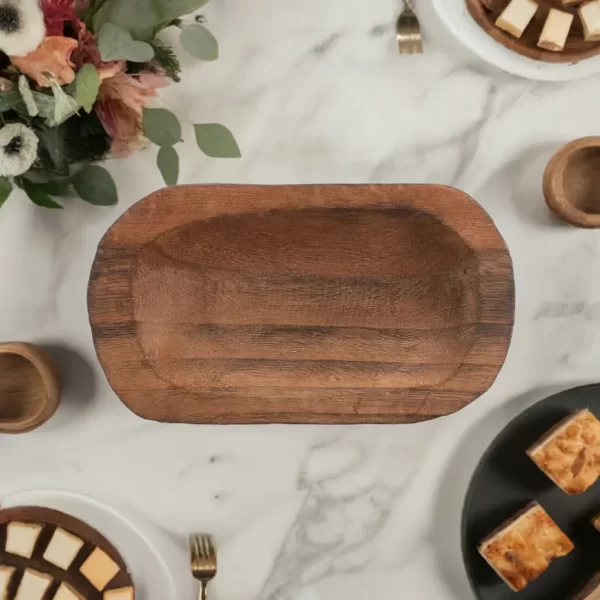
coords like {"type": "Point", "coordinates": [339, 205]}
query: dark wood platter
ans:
{"type": "Point", "coordinates": [485, 13]}
{"type": "Point", "coordinates": [51, 519]}
{"type": "Point", "coordinates": [322, 303]}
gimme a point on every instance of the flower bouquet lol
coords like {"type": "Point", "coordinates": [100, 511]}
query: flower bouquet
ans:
{"type": "Point", "coordinates": [76, 80]}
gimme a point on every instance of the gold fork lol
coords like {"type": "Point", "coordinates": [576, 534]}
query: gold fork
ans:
{"type": "Point", "coordinates": [408, 31]}
{"type": "Point", "coordinates": [203, 560]}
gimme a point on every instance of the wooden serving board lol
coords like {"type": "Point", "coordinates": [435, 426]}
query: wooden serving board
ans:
{"type": "Point", "coordinates": [321, 304]}
{"type": "Point", "coordinates": [51, 519]}
{"type": "Point", "coordinates": [485, 12]}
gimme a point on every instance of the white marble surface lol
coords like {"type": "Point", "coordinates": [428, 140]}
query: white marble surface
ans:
{"type": "Point", "coordinates": [316, 92]}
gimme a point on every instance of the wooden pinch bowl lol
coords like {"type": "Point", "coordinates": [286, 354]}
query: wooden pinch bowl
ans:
{"type": "Point", "coordinates": [29, 387]}
{"type": "Point", "coordinates": [485, 13]}
{"type": "Point", "coordinates": [295, 304]}
{"type": "Point", "coordinates": [572, 182]}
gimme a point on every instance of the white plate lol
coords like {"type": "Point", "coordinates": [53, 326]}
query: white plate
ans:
{"type": "Point", "coordinates": [158, 568]}
{"type": "Point", "coordinates": [456, 18]}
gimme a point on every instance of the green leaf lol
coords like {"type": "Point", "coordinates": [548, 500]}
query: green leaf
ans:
{"type": "Point", "coordinates": [95, 185]}
{"type": "Point", "coordinates": [168, 163]}
{"type": "Point", "coordinates": [173, 9]}
{"type": "Point", "coordinates": [27, 96]}
{"type": "Point", "coordinates": [116, 43]}
{"type": "Point", "coordinates": [58, 187]}
{"type": "Point", "coordinates": [9, 100]}
{"type": "Point", "coordinates": [81, 139]}
{"type": "Point", "coordinates": [45, 104]}
{"type": "Point", "coordinates": [37, 195]}
{"type": "Point", "coordinates": [87, 86]}
{"type": "Point", "coordinates": [143, 18]}
{"type": "Point", "coordinates": [200, 42]}
{"type": "Point", "coordinates": [161, 126]}
{"type": "Point", "coordinates": [216, 141]}
{"type": "Point", "coordinates": [5, 189]}
{"type": "Point", "coordinates": [65, 106]}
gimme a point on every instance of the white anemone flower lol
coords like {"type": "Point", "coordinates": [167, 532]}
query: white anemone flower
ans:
{"type": "Point", "coordinates": [18, 149]}
{"type": "Point", "coordinates": [22, 27]}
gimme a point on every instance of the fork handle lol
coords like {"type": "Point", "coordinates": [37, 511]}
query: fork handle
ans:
{"type": "Point", "coordinates": [203, 590]}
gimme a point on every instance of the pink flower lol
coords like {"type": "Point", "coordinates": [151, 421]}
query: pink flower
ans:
{"type": "Point", "coordinates": [120, 106]}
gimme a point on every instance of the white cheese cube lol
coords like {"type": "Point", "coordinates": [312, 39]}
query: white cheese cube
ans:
{"type": "Point", "coordinates": [62, 549]}
{"type": "Point", "coordinates": [6, 574]}
{"type": "Point", "coordinates": [33, 586]}
{"type": "Point", "coordinates": [590, 17]}
{"type": "Point", "coordinates": [516, 16]}
{"type": "Point", "coordinates": [556, 29]}
{"type": "Point", "coordinates": [21, 538]}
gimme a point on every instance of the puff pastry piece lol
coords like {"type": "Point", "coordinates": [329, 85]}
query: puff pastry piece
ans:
{"type": "Point", "coordinates": [569, 454]}
{"type": "Point", "coordinates": [522, 548]}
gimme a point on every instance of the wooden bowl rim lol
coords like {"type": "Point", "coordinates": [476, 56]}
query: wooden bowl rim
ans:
{"type": "Point", "coordinates": [48, 372]}
{"type": "Point", "coordinates": [157, 213]}
{"type": "Point", "coordinates": [554, 191]}
{"type": "Point", "coordinates": [478, 12]}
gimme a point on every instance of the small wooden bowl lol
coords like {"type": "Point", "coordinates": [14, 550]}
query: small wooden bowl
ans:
{"type": "Point", "coordinates": [485, 13]}
{"type": "Point", "coordinates": [572, 182]}
{"type": "Point", "coordinates": [29, 387]}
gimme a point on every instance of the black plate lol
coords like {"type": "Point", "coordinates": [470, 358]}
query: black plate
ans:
{"type": "Point", "coordinates": [506, 479]}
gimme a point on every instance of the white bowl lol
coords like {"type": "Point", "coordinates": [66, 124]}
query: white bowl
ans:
{"type": "Point", "coordinates": [159, 569]}
{"type": "Point", "coordinates": [455, 16]}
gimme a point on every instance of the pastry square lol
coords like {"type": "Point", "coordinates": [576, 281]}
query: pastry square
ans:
{"type": "Point", "coordinates": [6, 574]}
{"type": "Point", "coordinates": [99, 569]}
{"type": "Point", "coordinates": [66, 592]}
{"type": "Point", "coordinates": [569, 454]}
{"type": "Point", "coordinates": [62, 549]}
{"type": "Point", "coordinates": [523, 547]}
{"type": "Point", "coordinates": [21, 538]}
{"type": "Point", "coordinates": [33, 586]}
{"type": "Point", "coordinates": [125, 593]}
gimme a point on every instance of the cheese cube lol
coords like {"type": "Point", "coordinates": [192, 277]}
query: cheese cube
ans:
{"type": "Point", "coordinates": [21, 538]}
{"type": "Point", "coordinates": [99, 569]}
{"type": "Point", "coordinates": [66, 592]}
{"type": "Point", "coordinates": [556, 29]}
{"type": "Point", "coordinates": [125, 593]}
{"type": "Point", "coordinates": [33, 586]}
{"type": "Point", "coordinates": [516, 16]}
{"type": "Point", "coordinates": [590, 17]}
{"type": "Point", "coordinates": [6, 574]}
{"type": "Point", "coordinates": [62, 549]}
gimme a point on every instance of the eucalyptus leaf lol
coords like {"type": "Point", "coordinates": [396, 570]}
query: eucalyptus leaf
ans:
{"type": "Point", "coordinates": [65, 106]}
{"type": "Point", "coordinates": [200, 42]}
{"type": "Point", "coordinates": [143, 18]}
{"type": "Point", "coordinates": [139, 17]}
{"type": "Point", "coordinates": [5, 189]}
{"type": "Point", "coordinates": [31, 106]}
{"type": "Point", "coordinates": [9, 100]}
{"type": "Point", "coordinates": [173, 9]}
{"type": "Point", "coordinates": [168, 163]}
{"type": "Point", "coordinates": [161, 127]}
{"type": "Point", "coordinates": [45, 104]}
{"type": "Point", "coordinates": [37, 195]}
{"type": "Point", "coordinates": [216, 141]}
{"type": "Point", "coordinates": [116, 43]}
{"type": "Point", "coordinates": [95, 185]}
{"type": "Point", "coordinates": [87, 86]}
